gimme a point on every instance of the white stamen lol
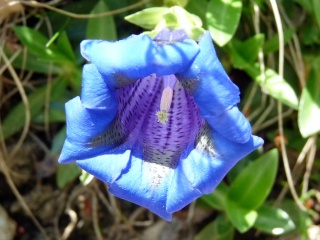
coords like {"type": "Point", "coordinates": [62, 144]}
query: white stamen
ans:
{"type": "Point", "coordinates": [165, 103]}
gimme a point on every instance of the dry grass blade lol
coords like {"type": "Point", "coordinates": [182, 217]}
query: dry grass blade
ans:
{"type": "Point", "coordinates": [82, 16]}
{"type": "Point", "coordinates": [277, 17]}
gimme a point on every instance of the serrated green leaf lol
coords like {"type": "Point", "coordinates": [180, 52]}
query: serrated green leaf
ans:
{"type": "Point", "coordinates": [273, 221]}
{"type": "Point", "coordinates": [309, 109]}
{"type": "Point", "coordinates": [102, 27]}
{"type": "Point", "coordinates": [254, 183]}
{"type": "Point", "coordinates": [219, 229]}
{"type": "Point", "coordinates": [241, 218]}
{"type": "Point", "coordinates": [222, 19]}
{"type": "Point", "coordinates": [147, 18]}
{"type": "Point", "coordinates": [67, 173]}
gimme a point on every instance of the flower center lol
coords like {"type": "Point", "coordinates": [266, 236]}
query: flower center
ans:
{"type": "Point", "coordinates": [166, 98]}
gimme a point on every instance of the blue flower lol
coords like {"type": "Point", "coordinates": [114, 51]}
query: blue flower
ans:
{"type": "Point", "coordinates": [157, 120]}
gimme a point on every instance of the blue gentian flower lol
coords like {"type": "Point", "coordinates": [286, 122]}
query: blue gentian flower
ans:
{"type": "Point", "coordinates": [157, 119]}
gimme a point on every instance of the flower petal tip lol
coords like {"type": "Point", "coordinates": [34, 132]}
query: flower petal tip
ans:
{"type": "Point", "coordinates": [257, 141]}
{"type": "Point", "coordinates": [83, 45]}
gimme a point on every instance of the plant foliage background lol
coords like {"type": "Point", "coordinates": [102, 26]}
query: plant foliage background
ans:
{"type": "Point", "coordinates": [270, 50]}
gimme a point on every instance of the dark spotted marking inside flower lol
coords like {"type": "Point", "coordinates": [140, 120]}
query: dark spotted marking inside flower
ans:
{"type": "Point", "coordinates": [165, 158]}
{"type": "Point", "coordinates": [190, 84]}
{"type": "Point", "coordinates": [122, 81]}
{"type": "Point", "coordinates": [204, 141]}
{"type": "Point", "coordinates": [112, 137]}
{"type": "Point", "coordinates": [162, 144]}
{"type": "Point", "coordinates": [133, 104]}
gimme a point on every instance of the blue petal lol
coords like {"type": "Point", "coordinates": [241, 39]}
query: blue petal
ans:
{"type": "Point", "coordinates": [95, 92]}
{"type": "Point", "coordinates": [235, 151]}
{"type": "Point", "coordinates": [181, 191]}
{"type": "Point", "coordinates": [82, 126]}
{"type": "Point", "coordinates": [131, 56]}
{"type": "Point", "coordinates": [231, 124]}
{"type": "Point", "coordinates": [211, 87]}
{"type": "Point", "coordinates": [145, 184]}
{"type": "Point", "coordinates": [214, 93]}
{"type": "Point", "coordinates": [173, 58]}
{"type": "Point", "coordinates": [107, 167]}
{"type": "Point", "coordinates": [137, 57]}
{"type": "Point", "coordinates": [201, 172]}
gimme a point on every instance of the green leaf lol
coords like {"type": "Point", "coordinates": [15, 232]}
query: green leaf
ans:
{"type": "Point", "coordinates": [36, 65]}
{"type": "Point", "coordinates": [247, 50]}
{"type": "Point", "coordinates": [178, 18]}
{"type": "Point", "coordinates": [198, 8]}
{"type": "Point", "coordinates": [272, 44]}
{"type": "Point", "coordinates": [250, 189]}
{"type": "Point", "coordinates": [306, 4]}
{"type": "Point", "coordinates": [55, 115]}
{"type": "Point", "coordinates": [309, 109]}
{"type": "Point", "coordinates": [242, 218]}
{"type": "Point", "coordinates": [253, 184]}
{"type": "Point", "coordinates": [36, 43]}
{"type": "Point", "coordinates": [85, 178]}
{"type": "Point", "coordinates": [67, 173]}
{"type": "Point", "coordinates": [34, 40]}
{"type": "Point", "coordinates": [316, 8]}
{"type": "Point", "coordinates": [102, 27]}
{"type": "Point", "coordinates": [278, 88]}
{"type": "Point", "coordinates": [147, 18]}
{"type": "Point", "coordinates": [64, 45]}
{"type": "Point", "coordinates": [15, 119]}
{"type": "Point", "coordinates": [171, 3]}
{"type": "Point", "coordinates": [219, 229]}
{"type": "Point", "coordinates": [58, 141]}
{"type": "Point", "coordinates": [273, 84]}
{"type": "Point", "coordinates": [312, 6]}
{"type": "Point", "coordinates": [273, 221]}
{"type": "Point", "coordinates": [222, 19]}
{"type": "Point", "coordinates": [310, 34]}
{"type": "Point", "coordinates": [217, 199]}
